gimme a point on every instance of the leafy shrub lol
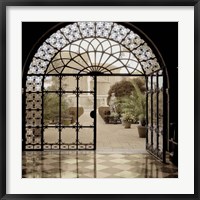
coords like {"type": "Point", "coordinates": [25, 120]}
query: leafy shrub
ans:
{"type": "Point", "coordinates": [127, 92]}
{"type": "Point", "coordinates": [134, 105]}
{"type": "Point", "coordinates": [125, 88]}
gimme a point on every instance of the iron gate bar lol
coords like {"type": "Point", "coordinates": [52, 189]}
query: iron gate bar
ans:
{"type": "Point", "coordinates": [165, 116]}
{"type": "Point", "coordinates": [23, 118]}
{"type": "Point", "coordinates": [157, 112]}
{"type": "Point", "coordinates": [157, 106]}
{"type": "Point", "coordinates": [95, 110]}
{"type": "Point", "coordinates": [59, 129]}
{"type": "Point", "coordinates": [93, 73]}
{"type": "Point", "coordinates": [147, 107]}
{"type": "Point", "coordinates": [151, 111]}
{"type": "Point", "coordinates": [77, 106]}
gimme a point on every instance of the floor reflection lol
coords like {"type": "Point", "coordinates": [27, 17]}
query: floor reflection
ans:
{"type": "Point", "coordinates": [89, 164]}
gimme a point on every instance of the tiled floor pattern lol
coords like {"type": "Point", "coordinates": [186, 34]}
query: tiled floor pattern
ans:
{"type": "Point", "coordinates": [89, 164]}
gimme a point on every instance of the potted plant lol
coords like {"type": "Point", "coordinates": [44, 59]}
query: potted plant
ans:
{"type": "Point", "coordinates": [140, 110]}
{"type": "Point", "coordinates": [142, 126]}
{"type": "Point", "coordinates": [127, 119]}
{"type": "Point", "coordinates": [114, 118]}
{"type": "Point", "coordinates": [135, 106]}
{"type": "Point", "coordinates": [127, 110]}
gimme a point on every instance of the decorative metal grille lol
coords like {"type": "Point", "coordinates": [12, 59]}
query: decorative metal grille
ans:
{"type": "Point", "coordinates": [78, 49]}
{"type": "Point", "coordinates": [102, 45]}
{"type": "Point", "coordinates": [155, 114]}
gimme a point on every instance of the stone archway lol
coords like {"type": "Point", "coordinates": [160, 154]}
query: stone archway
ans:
{"type": "Point", "coordinates": [89, 49]}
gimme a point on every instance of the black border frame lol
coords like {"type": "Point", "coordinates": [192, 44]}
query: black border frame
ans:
{"type": "Point", "coordinates": [5, 3]}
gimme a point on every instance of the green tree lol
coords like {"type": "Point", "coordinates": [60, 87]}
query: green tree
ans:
{"type": "Point", "coordinates": [121, 88]}
{"type": "Point", "coordinates": [52, 103]}
{"type": "Point", "coordinates": [124, 89]}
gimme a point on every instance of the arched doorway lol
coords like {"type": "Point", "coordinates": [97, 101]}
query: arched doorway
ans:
{"type": "Point", "coordinates": [79, 52]}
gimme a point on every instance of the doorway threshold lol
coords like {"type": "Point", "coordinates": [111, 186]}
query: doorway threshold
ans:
{"type": "Point", "coordinates": [126, 151]}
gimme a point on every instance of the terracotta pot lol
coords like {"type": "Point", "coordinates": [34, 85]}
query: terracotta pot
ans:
{"type": "Point", "coordinates": [142, 131]}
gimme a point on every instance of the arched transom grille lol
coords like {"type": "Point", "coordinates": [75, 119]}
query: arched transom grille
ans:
{"type": "Point", "coordinates": [94, 46]}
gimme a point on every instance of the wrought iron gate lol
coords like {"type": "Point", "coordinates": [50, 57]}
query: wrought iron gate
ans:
{"type": "Point", "coordinates": [68, 114]}
{"type": "Point", "coordinates": [156, 115]}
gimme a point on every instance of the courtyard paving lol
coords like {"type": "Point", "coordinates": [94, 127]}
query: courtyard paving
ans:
{"type": "Point", "coordinates": [115, 138]}
{"type": "Point", "coordinates": [110, 137]}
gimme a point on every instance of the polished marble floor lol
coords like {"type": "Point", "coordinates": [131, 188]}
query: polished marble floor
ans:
{"type": "Point", "coordinates": [90, 164]}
